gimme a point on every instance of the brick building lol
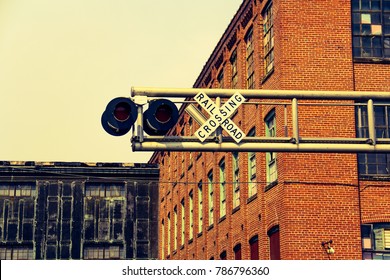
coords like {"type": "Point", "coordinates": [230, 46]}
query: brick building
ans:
{"type": "Point", "coordinates": [74, 210]}
{"type": "Point", "coordinates": [216, 205]}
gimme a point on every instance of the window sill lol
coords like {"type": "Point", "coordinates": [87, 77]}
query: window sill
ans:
{"type": "Point", "coordinates": [222, 219]}
{"type": "Point", "coordinates": [190, 166]}
{"type": "Point", "coordinates": [210, 227]}
{"type": "Point", "coordinates": [374, 177]}
{"type": "Point", "coordinates": [250, 199]}
{"type": "Point", "coordinates": [200, 234]}
{"type": "Point", "coordinates": [190, 241]}
{"type": "Point", "coordinates": [236, 209]}
{"type": "Point", "coordinates": [266, 77]}
{"type": "Point", "coordinates": [182, 247]}
{"type": "Point", "coordinates": [270, 186]}
{"type": "Point", "coordinates": [371, 60]}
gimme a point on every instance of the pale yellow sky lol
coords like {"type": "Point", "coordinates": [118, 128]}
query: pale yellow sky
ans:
{"type": "Point", "coordinates": [62, 61]}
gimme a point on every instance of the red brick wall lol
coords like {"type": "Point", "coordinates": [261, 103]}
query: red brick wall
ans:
{"type": "Point", "coordinates": [317, 197]}
{"type": "Point", "coordinates": [372, 77]}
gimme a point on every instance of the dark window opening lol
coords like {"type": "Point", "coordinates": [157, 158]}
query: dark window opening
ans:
{"type": "Point", "coordinates": [274, 243]}
{"type": "Point", "coordinates": [237, 252]}
{"type": "Point", "coordinates": [223, 255]}
{"type": "Point", "coordinates": [254, 247]}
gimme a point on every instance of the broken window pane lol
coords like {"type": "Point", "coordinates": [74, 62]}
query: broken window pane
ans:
{"type": "Point", "coordinates": [103, 230]}
{"type": "Point", "coordinates": [118, 209]}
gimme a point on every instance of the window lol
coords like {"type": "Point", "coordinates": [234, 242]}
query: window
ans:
{"type": "Point", "coordinates": [104, 190]}
{"type": "Point", "coordinates": [237, 252]}
{"type": "Point", "coordinates": [274, 243]}
{"type": "Point", "coordinates": [233, 62]}
{"type": "Point", "coordinates": [169, 234]}
{"type": "Point", "coordinates": [104, 217]}
{"type": "Point", "coordinates": [182, 222]}
{"type": "Point", "coordinates": [222, 189]}
{"type": "Point", "coordinates": [236, 179]}
{"type": "Point", "coordinates": [376, 241]}
{"type": "Point", "coordinates": [200, 207]}
{"type": "Point", "coordinates": [17, 189]}
{"type": "Point", "coordinates": [103, 253]}
{"type": "Point", "coordinates": [268, 25]}
{"type": "Point", "coordinates": [371, 28]}
{"type": "Point", "coordinates": [191, 230]}
{"type": "Point", "coordinates": [220, 80]}
{"type": "Point", "coordinates": [223, 255]}
{"type": "Point", "coordinates": [374, 164]}
{"type": "Point", "coordinates": [250, 65]}
{"type": "Point", "coordinates": [254, 247]}
{"type": "Point", "coordinates": [252, 186]}
{"type": "Point", "coordinates": [183, 157]}
{"type": "Point", "coordinates": [16, 253]}
{"type": "Point", "coordinates": [211, 197]}
{"type": "Point", "coordinates": [176, 229]}
{"type": "Point", "coordinates": [270, 122]}
{"type": "Point", "coordinates": [191, 127]}
{"type": "Point", "coordinates": [162, 239]}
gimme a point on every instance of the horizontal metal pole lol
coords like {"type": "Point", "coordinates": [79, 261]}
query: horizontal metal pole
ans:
{"type": "Point", "coordinates": [258, 140]}
{"type": "Point", "coordinates": [211, 139]}
{"type": "Point", "coordinates": [288, 103]}
{"type": "Point", "coordinates": [262, 147]}
{"type": "Point", "coordinates": [259, 93]}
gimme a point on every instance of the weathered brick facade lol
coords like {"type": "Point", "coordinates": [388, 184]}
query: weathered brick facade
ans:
{"type": "Point", "coordinates": [317, 197]}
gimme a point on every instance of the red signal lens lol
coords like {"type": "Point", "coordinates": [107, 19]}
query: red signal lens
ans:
{"type": "Point", "coordinates": [163, 113]}
{"type": "Point", "coordinates": [122, 111]}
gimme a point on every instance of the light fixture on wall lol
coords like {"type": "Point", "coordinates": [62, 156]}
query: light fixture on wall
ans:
{"type": "Point", "coordinates": [327, 246]}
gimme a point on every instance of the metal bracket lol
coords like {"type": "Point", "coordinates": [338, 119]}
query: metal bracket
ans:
{"type": "Point", "coordinates": [140, 100]}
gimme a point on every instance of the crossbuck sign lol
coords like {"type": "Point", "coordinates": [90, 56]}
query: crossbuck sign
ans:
{"type": "Point", "coordinates": [219, 116]}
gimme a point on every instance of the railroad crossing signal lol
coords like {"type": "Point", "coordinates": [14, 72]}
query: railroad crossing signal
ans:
{"type": "Point", "coordinates": [161, 116]}
{"type": "Point", "coordinates": [119, 116]}
{"type": "Point", "coordinates": [122, 114]}
{"type": "Point", "coordinates": [219, 116]}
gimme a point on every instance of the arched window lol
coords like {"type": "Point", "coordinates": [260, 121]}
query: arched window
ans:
{"type": "Point", "coordinates": [237, 252]}
{"type": "Point", "coordinates": [223, 255]}
{"type": "Point", "coordinates": [254, 247]}
{"type": "Point", "coordinates": [274, 243]}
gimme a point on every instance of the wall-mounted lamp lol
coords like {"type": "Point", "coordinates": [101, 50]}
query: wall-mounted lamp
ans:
{"type": "Point", "coordinates": [327, 246]}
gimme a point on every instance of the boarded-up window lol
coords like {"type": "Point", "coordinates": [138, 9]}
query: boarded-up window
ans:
{"type": "Point", "coordinates": [274, 243]}
{"type": "Point", "coordinates": [254, 247]}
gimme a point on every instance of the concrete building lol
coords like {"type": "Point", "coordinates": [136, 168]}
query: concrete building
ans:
{"type": "Point", "coordinates": [216, 205]}
{"type": "Point", "coordinates": [74, 210]}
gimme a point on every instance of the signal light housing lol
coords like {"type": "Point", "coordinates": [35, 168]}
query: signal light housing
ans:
{"type": "Point", "coordinates": [119, 116]}
{"type": "Point", "coordinates": [161, 116]}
